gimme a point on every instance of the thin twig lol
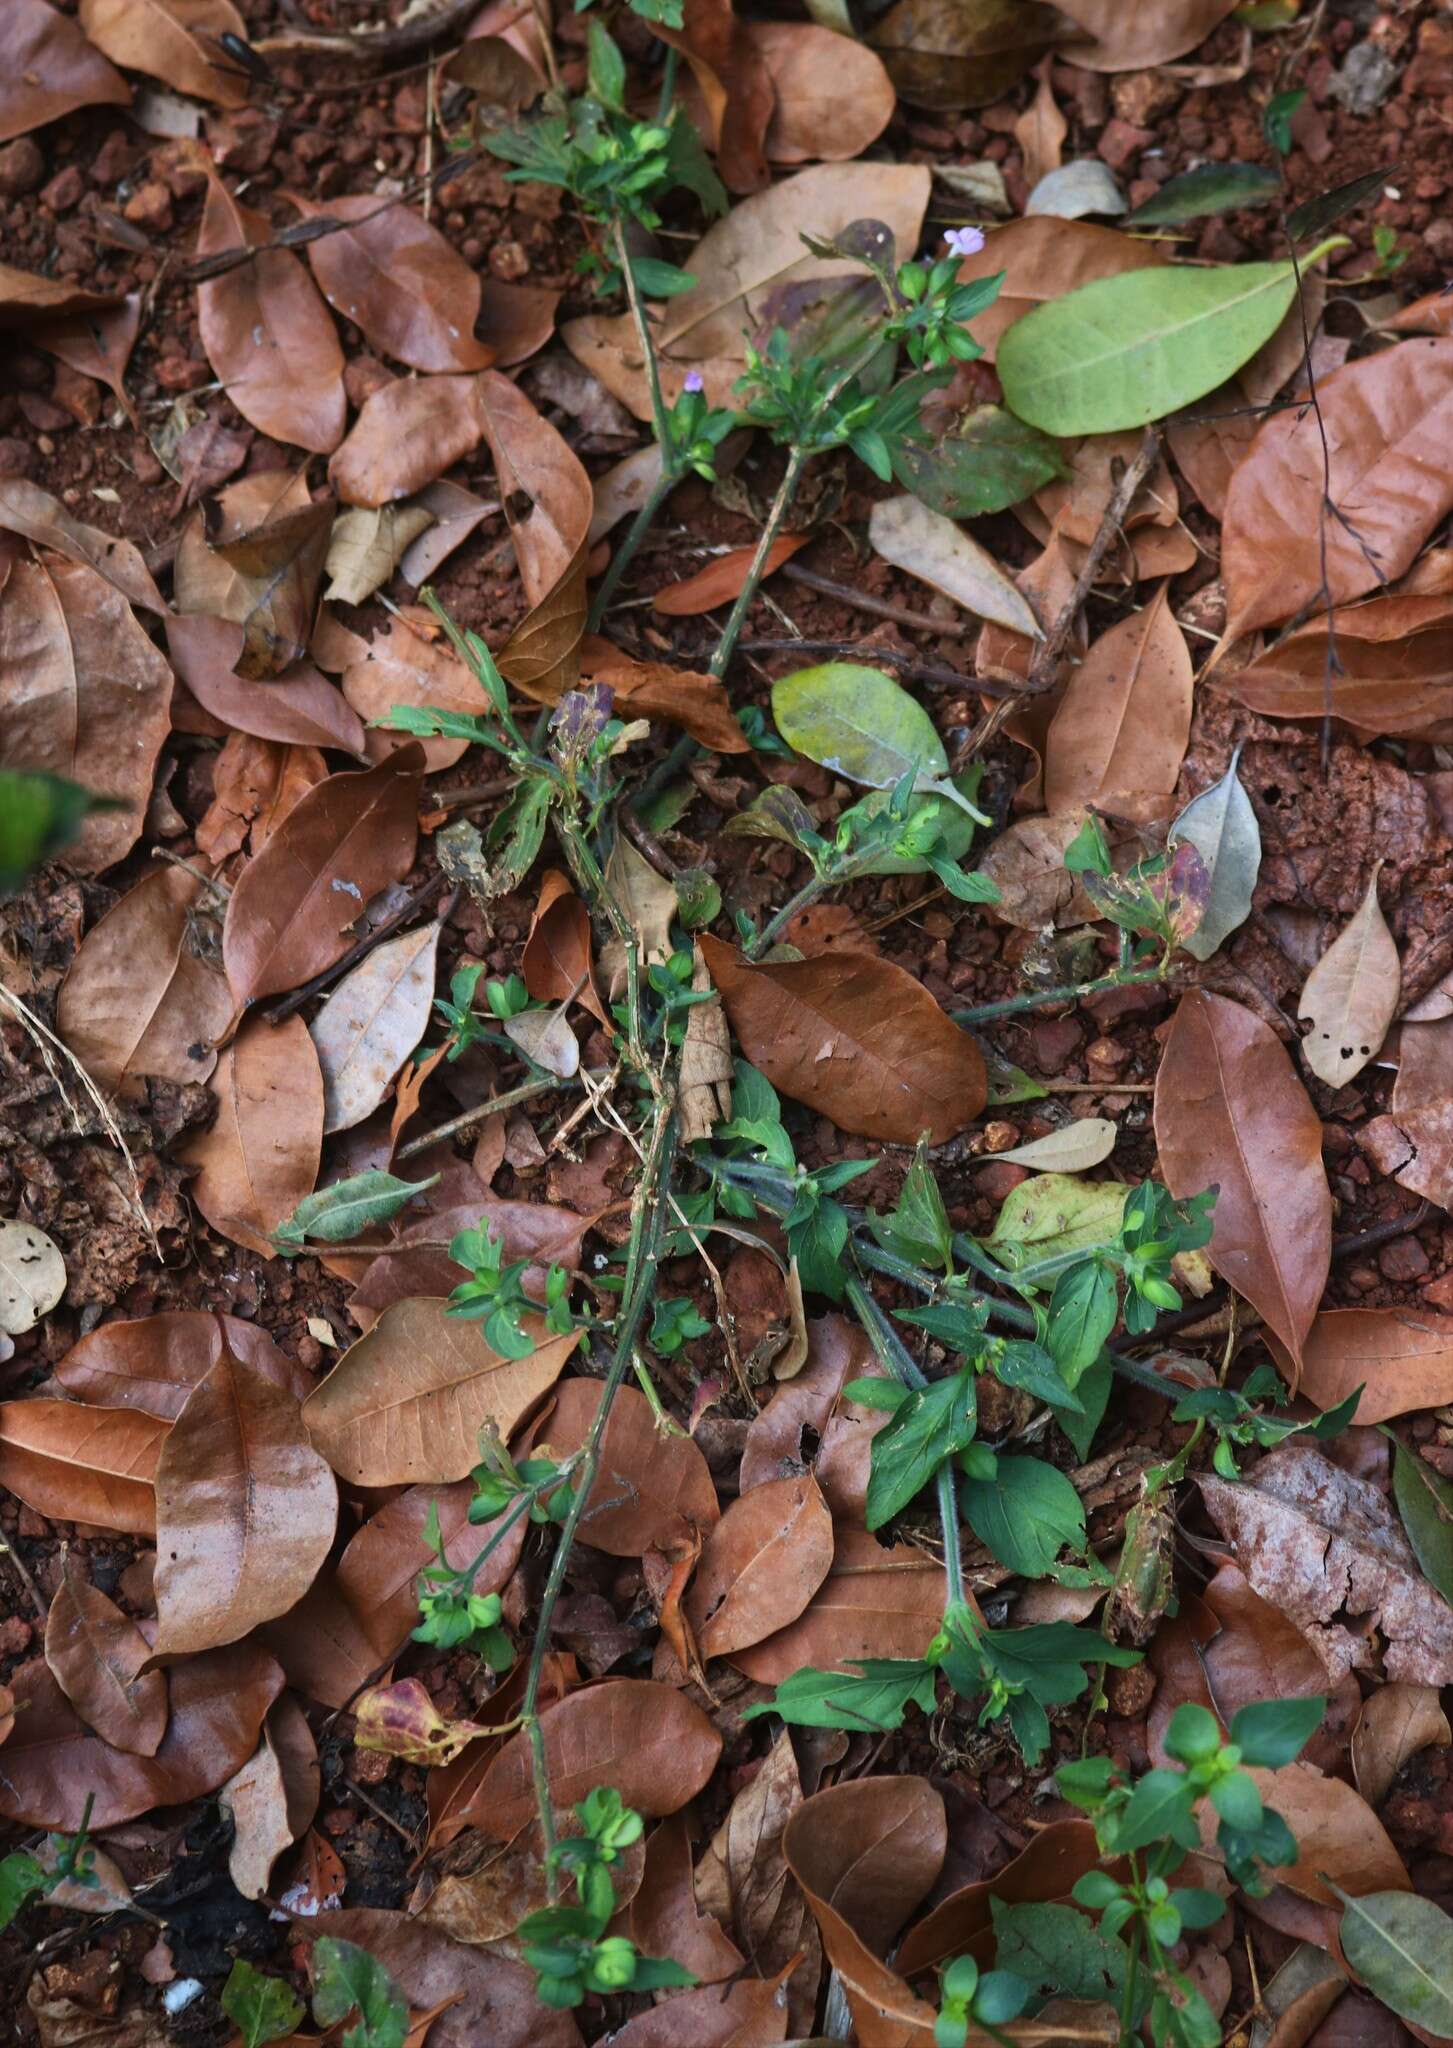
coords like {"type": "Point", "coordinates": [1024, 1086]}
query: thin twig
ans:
{"type": "Point", "coordinates": [356, 952]}
{"type": "Point", "coordinates": [881, 607]}
{"type": "Point", "coordinates": [321, 226]}
{"type": "Point", "coordinates": [538, 1084]}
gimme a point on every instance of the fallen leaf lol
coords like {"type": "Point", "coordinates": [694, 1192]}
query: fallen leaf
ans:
{"type": "Point", "coordinates": [1138, 40]}
{"type": "Point", "coordinates": [1339, 1837]}
{"type": "Point", "coordinates": [97, 343]}
{"type": "Point", "coordinates": [1396, 1723]}
{"type": "Point", "coordinates": [735, 86]}
{"type": "Point", "coordinates": [319, 1878]}
{"type": "Point", "coordinates": [371, 1023]}
{"type": "Point", "coordinates": [556, 963]}
{"type": "Point", "coordinates": [737, 264]}
{"type": "Point", "coordinates": [1351, 996]}
{"type": "Point", "coordinates": [278, 566]}
{"type": "Point", "coordinates": [1402, 1358]}
{"type": "Point", "coordinates": [152, 1363]}
{"type": "Point", "coordinates": [395, 277]}
{"type": "Point", "coordinates": [401, 1720]}
{"type": "Point", "coordinates": [260, 1157]}
{"type": "Point", "coordinates": [1221, 824]}
{"type": "Point", "coordinates": [403, 666]}
{"type": "Point", "coordinates": [176, 41]}
{"type": "Point", "coordinates": [296, 708]}
{"type": "Point", "coordinates": [649, 902]}
{"type": "Point", "coordinates": [267, 333]}
{"type": "Point", "coordinates": [51, 68]}
{"type": "Point", "coordinates": [25, 508]}
{"type": "Point", "coordinates": [855, 1038]}
{"type": "Point", "coordinates": [1231, 1113]}
{"type": "Point", "coordinates": [1085, 186]}
{"type": "Point", "coordinates": [832, 96]}
{"type": "Point", "coordinates": [666, 1919]}
{"type": "Point", "coordinates": [1045, 1870]}
{"type": "Point", "coordinates": [1402, 1949]}
{"type": "Point", "coordinates": [1040, 131]}
{"type": "Point", "coordinates": [760, 1566]}
{"type": "Point", "coordinates": [751, 2013]}
{"type": "Point", "coordinates": [874, 1602]}
{"type": "Point", "coordinates": [1044, 260]}
{"type": "Point", "coordinates": [652, 1488]}
{"type": "Point", "coordinates": [1119, 736]}
{"type": "Point", "coordinates": [1393, 656]}
{"type": "Point", "coordinates": [96, 1655]}
{"type": "Point", "coordinates": [87, 696]}
{"type": "Point", "coordinates": [743, 1876]}
{"type": "Point", "coordinates": [255, 783]}
{"type": "Point", "coordinates": [32, 1276]}
{"type": "Point", "coordinates": [1422, 1109]}
{"type": "Point", "coordinates": [939, 553]}
{"type": "Point", "coordinates": [723, 579]}
{"type": "Point", "coordinates": [137, 1000]}
{"type": "Point", "coordinates": [366, 547]}
{"type": "Point", "coordinates": [1317, 1542]}
{"type": "Point", "coordinates": [1256, 1652]}
{"type": "Point", "coordinates": [82, 1464]}
{"type": "Point", "coordinates": [1026, 864]}
{"type": "Point", "coordinates": [950, 54]}
{"type": "Point", "coordinates": [1074, 1148]}
{"type": "Point", "coordinates": [407, 1402]}
{"type": "Point", "coordinates": [57, 1773]}
{"type": "Point", "coordinates": [649, 1741]}
{"type": "Point", "coordinates": [1383, 418]}
{"type": "Point", "coordinates": [406, 434]}
{"type": "Point", "coordinates": [272, 1798]}
{"type": "Point", "coordinates": [812, 1403]}
{"type": "Point", "coordinates": [290, 910]}
{"type": "Point", "coordinates": [454, 513]}
{"type": "Point", "coordinates": [536, 1231]}
{"type": "Point", "coordinates": [547, 501]}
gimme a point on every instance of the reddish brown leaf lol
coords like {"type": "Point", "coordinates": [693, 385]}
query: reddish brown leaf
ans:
{"type": "Point", "coordinates": [651, 1489]}
{"type": "Point", "coordinates": [743, 1877]}
{"type": "Point", "coordinates": [1230, 1112]}
{"type": "Point", "coordinates": [406, 434]}
{"type": "Point", "coordinates": [176, 41]}
{"type": "Point", "coordinates": [29, 301]}
{"type": "Point", "coordinates": [267, 333]}
{"type": "Point", "coordinates": [407, 1402]}
{"type": "Point", "coordinates": [318, 1879]}
{"type": "Point", "coordinates": [450, 1791]}
{"type": "Point", "coordinates": [51, 67]}
{"type": "Point", "coordinates": [380, 1565]}
{"type": "Point", "coordinates": [96, 343]}
{"type": "Point", "coordinates": [1119, 736]}
{"type": "Point", "coordinates": [723, 579]}
{"type": "Point", "coordinates": [647, 1740]}
{"type": "Point", "coordinates": [1394, 655]}
{"type": "Point", "coordinates": [557, 963]}
{"type": "Point", "coordinates": [279, 569]}
{"type": "Point", "coordinates": [260, 1158]}
{"type": "Point", "coordinates": [153, 1362]}
{"type": "Point", "coordinates": [751, 2014]}
{"type": "Point", "coordinates": [761, 1565]}
{"type": "Point", "coordinates": [1396, 1722]}
{"type": "Point", "coordinates": [1339, 1837]}
{"type": "Point", "coordinates": [1047, 1868]}
{"type": "Point", "coordinates": [833, 99]}
{"type": "Point", "coordinates": [1257, 1653]}
{"type": "Point", "coordinates": [812, 1400]}
{"type": "Point", "coordinates": [734, 81]}
{"type": "Point", "coordinates": [855, 1038]}
{"type": "Point", "coordinates": [1402, 1358]}
{"type": "Point", "coordinates": [665, 1917]}
{"type": "Point", "coordinates": [1389, 478]}
{"type": "Point", "coordinates": [1135, 39]}
{"type": "Point", "coordinates": [873, 1603]}
{"type": "Point", "coordinates": [395, 276]}
{"type": "Point", "coordinates": [96, 1654]}
{"type": "Point", "coordinates": [87, 696]}
{"type": "Point", "coordinates": [289, 913]}
{"type": "Point", "coordinates": [255, 784]}
{"type": "Point", "coordinates": [537, 1231]}
{"type": "Point", "coordinates": [649, 689]}
{"type": "Point", "coordinates": [53, 1764]}
{"type": "Point", "coordinates": [298, 707]}
{"type": "Point", "coordinates": [82, 1464]}
{"type": "Point", "coordinates": [26, 508]}
{"type": "Point", "coordinates": [137, 1000]}
{"type": "Point", "coordinates": [404, 666]}
{"type": "Point", "coordinates": [547, 500]}
{"type": "Point", "coordinates": [272, 1798]}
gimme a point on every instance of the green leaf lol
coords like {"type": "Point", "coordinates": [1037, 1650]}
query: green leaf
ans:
{"type": "Point", "coordinates": [336, 1214]}
{"type": "Point", "coordinates": [346, 1976]}
{"type": "Point", "coordinates": [872, 1703]}
{"type": "Point", "coordinates": [988, 461]}
{"type": "Point", "coordinates": [1402, 1948]}
{"type": "Point", "coordinates": [1130, 349]}
{"type": "Point", "coordinates": [930, 1426]}
{"type": "Point", "coordinates": [1212, 188]}
{"type": "Point", "coordinates": [860, 724]}
{"type": "Point", "coordinates": [263, 2008]}
{"type": "Point", "coordinates": [1161, 1808]}
{"type": "Point", "coordinates": [1315, 216]}
{"type": "Point", "coordinates": [21, 1877]}
{"type": "Point", "coordinates": [1031, 1369]}
{"type": "Point", "coordinates": [1025, 1515]}
{"type": "Point", "coordinates": [1082, 1313]}
{"type": "Point", "coordinates": [1094, 1394]}
{"type": "Point", "coordinates": [959, 1324]}
{"type": "Point", "coordinates": [39, 815]}
{"type": "Point", "coordinates": [1222, 827]}
{"type": "Point", "coordinates": [817, 1242]}
{"type": "Point", "coordinates": [1057, 1950]}
{"type": "Point", "coordinates": [918, 1227]}
{"type": "Point", "coordinates": [955, 825]}
{"type": "Point", "coordinates": [606, 73]}
{"type": "Point", "coordinates": [660, 280]}
{"type": "Point", "coordinates": [1276, 119]}
{"type": "Point", "coordinates": [1270, 1733]}
{"type": "Point", "coordinates": [1054, 1212]}
{"type": "Point", "coordinates": [1238, 1802]}
{"type": "Point", "coordinates": [1425, 1502]}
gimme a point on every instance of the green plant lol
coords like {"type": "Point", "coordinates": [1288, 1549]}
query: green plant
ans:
{"type": "Point", "coordinates": [982, 1999]}
{"type": "Point", "coordinates": [68, 1861]}
{"type": "Point", "coordinates": [347, 1980]}
{"type": "Point", "coordinates": [494, 1293]}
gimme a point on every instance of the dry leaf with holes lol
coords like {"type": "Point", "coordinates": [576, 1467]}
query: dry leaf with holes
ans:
{"type": "Point", "coordinates": [32, 1276]}
{"type": "Point", "coordinates": [1351, 995]}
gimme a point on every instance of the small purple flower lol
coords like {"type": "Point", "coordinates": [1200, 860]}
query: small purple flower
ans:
{"type": "Point", "coordinates": [693, 381]}
{"type": "Point", "coordinates": [965, 241]}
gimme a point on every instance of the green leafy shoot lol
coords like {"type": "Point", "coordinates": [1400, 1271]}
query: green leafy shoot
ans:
{"type": "Point", "coordinates": [347, 1979]}
{"type": "Point", "coordinates": [494, 1294]}
{"type": "Point", "coordinates": [262, 2008]}
{"type": "Point", "coordinates": [342, 1212]}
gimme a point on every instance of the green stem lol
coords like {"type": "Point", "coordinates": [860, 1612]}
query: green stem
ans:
{"type": "Point", "coordinates": [668, 85]}
{"type": "Point", "coordinates": [620, 561]}
{"type": "Point", "coordinates": [659, 420]}
{"type": "Point", "coordinates": [1132, 1975]}
{"type": "Point", "coordinates": [538, 1084]}
{"type": "Point", "coordinates": [1069, 992]}
{"type": "Point", "coordinates": [781, 506]}
{"type": "Point", "coordinates": [808, 893]}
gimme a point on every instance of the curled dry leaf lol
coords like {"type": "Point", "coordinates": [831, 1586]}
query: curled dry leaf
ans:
{"type": "Point", "coordinates": [267, 333]}
{"type": "Point", "coordinates": [874, 1602]}
{"type": "Point", "coordinates": [855, 1038]}
{"type": "Point", "coordinates": [152, 1363]}
{"type": "Point", "coordinates": [696, 702]}
{"type": "Point", "coordinates": [812, 1401]}
{"type": "Point", "coordinates": [82, 1464]}
{"type": "Point", "coordinates": [261, 1156]}
{"type": "Point", "coordinates": [1351, 996]}
{"type": "Point", "coordinates": [297, 707]}
{"type": "Point", "coordinates": [647, 1740]}
{"type": "Point", "coordinates": [1026, 863]}
{"type": "Point", "coordinates": [1136, 39]}
{"type": "Point", "coordinates": [87, 696]}
{"type": "Point", "coordinates": [666, 1918]}
{"type": "Point", "coordinates": [407, 1402]}
{"type": "Point", "coordinates": [1402, 1358]}
{"type": "Point", "coordinates": [255, 783]}
{"type": "Point", "coordinates": [454, 513]}
{"type": "Point", "coordinates": [97, 1654]}
{"type": "Point", "coordinates": [760, 1566]}
{"type": "Point", "coordinates": [54, 1765]}
{"type": "Point", "coordinates": [273, 1798]}
{"type": "Point", "coordinates": [1388, 475]}
{"type": "Point", "coordinates": [652, 1490]}
{"type": "Point", "coordinates": [556, 963]}
{"type": "Point", "coordinates": [137, 999]}
{"type": "Point", "coordinates": [32, 1276]}
{"type": "Point", "coordinates": [946, 57]}
{"type": "Point", "coordinates": [1396, 1722]}
{"type": "Point", "coordinates": [395, 276]}
{"type": "Point", "coordinates": [929, 546]}
{"type": "Point", "coordinates": [366, 546]}
{"type": "Point", "coordinates": [1119, 736]}
{"type": "Point", "coordinates": [278, 567]}
{"type": "Point", "coordinates": [245, 1511]}
{"type": "Point", "coordinates": [404, 666]}
{"type": "Point", "coordinates": [1231, 1113]}
{"type": "Point", "coordinates": [1317, 1542]}
{"type": "Point", "coordinates": [289, 913]}
{"type": "Point", "coordinates": [176, 41]}
{"type": "Point", "coordinates": [406, 434]}
{"type": "Point", "coordinates": [97, 343]}
{"type": "Point", "coordinates": [50, 68]}
{"type": "Point", "coordinates": [1393, 658]}
{"type": "Point", "coordinates": [371, 1023]}
{"type": "Point", "coordinates": [402, 1720]}
{"type": "Point", "coordinates": [743, 1877]}
{"type": "Point", "coordinates": [26, 509]}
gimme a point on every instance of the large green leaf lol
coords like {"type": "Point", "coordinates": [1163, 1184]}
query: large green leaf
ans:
{"type": "Point", "coordinates": [862, 725]}
{"type": "Point", "coordinates": [931, 1425]}
{"type": "Point", "coordinates": [1024, 1515]}
{"type": "Point", "coordinates": [1402, 1948]}
{"type": "Point", "coordinates": [1130, 349]}
{"type": "Point", "coordinates": [987, 461]}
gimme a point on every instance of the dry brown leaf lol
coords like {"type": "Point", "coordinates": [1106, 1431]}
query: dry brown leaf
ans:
{"type": "Point", "coordinates": [267, 333]}
{"type": "Point", "coordinates": [366, 547]}
{"type": "Point", "coordinates": [743, 1876]}
{"type": "Point", "coordinates": [698, 703]}
{"type": "Point", "coordinates": [938, 552]}
{"type": "Point", "coordinates": [666, 1916]}
{"type": "Point", "coordinates": [404, 666]}
{"type": "Point", "coordinates": [652, 1489]}
{"type": "Point", "coordinates": [760, 1566]}
{"type": "Point", "coordinates": [255, 783]}
{"type": "Point", "coordinates": [137, 999]}
{"type": "Point", "coordinates": [945, 56]}
{"type": "Point", "coordinates": [1396, 1722]}
{"type": "Point", "coordinates": [25, 508]}
{"type": "Point", "coordinates": [834, 97]}
{"type": "Point", "coordinates": [874, 1602]}
{"type": "Point", "coordinates": [812, 1402]}
{"type": "Point", "coordinates": [395, 277]}
{"type": "Point", "coordinates": [152, 1362]}
{"type": "Point", "coordinates": [705, 1084]}
{"type": "Point", "coordinates": [406, 434]}
{"type": "Point", "coordinates": [297, 708]}
{"type": "Point", "coordinates": [82, 1464]}
{"type": "Point", "coordinates": [1255, 1652]}
{"type": "Point", "coordinates": [1402, 1358]}
{"type": "Point", "coordinates": [1317, 1542]}
{"type": "Point", "coordinates": [245, 1511]}
{"type": "Point", "coordinates": [1393, 658]}
{"type": "Point", "coordinates": [735, 84]}
{"type": "Point", "coordinates": [556, 963]}
{"type": "Point", "coordinates": [1230, 1112]}
{"type": "Point", "coordinates": [261, 1156]}
{"type": "Point", "coordinates": [87, 696]}
{"type": "Point", "coordinates": [407, 1402]}
{"type": "Point", "coordinates": [1339, 1837]}
{"type": "Point", "coordinates": [97, 1655]}
{"type": "Point", "coordinates": [273, 1798]}
{"type": "Point", "coordinates": [1351, 996]}
{"type": "Point", "coordinates": [50, 69]}
{"type": "Point", "coordinates": [1049, 1865]}
{"type": "Point", "coordinates": [1040, 131]}
{"type": "Point", "coordinates": [203, 580]}
{"type": "Point", "coordinates": [371, 1023]}
{"type": "Point", "coordinates": [1119, 736]}
{"type": "Point", "coordinates": [176, 41]}
{"type": "Point", "coordinates": [855, 1038]}
{"type": "Point", "coordinates": [1137, 38]}
{"type": "Point", "coordinates": [1026, 862]}
{"type": "Point", "coordinates": [279, 567]}
{"type": "Point", "coordinates": [97, 344]}
{"type": "Point", "coordinates": [1420, 1154]}
{"type": "Point", "coordinates": [29, 300]}
{"type": "Point", "coordinates": [723, 578]}
{"type": "Point", "coordinates": [752, 2013]}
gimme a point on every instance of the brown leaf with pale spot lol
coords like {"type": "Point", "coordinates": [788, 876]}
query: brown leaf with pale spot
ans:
{"type": "Point", "coordinates": [51, 67]}
{"type": "Point", "coordinates": [97, 1654]}
{"type": "Point", "coordinates": [1351, 996]}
